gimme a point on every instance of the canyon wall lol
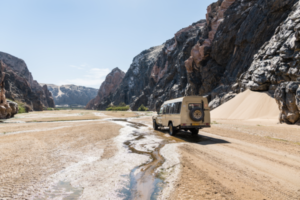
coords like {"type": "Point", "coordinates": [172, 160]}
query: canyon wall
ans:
{"type": "Point", "coordinates": [111, 83]}
{"type": "Point", "coordinates": [242, 44]}
{"type": "Point", "coordinates": [19, 85]}
{"type": "Point", "coordinates": [7, 108]}
{"type": "Point", "coordinates": [71, 95]}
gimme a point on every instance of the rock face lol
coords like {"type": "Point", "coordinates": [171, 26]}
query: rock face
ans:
{"type": "Point", "coordinates": [158, 73]}
{"type": "Point", "coordinates": [70, 94]}
{"type": "Point", "coordinates": [19, 84]}
{"type": "Point", "coordinates": [112, 81]}
{"type": "Point", "coordinates": [7, 108]}
{"type": "Point", "coordinates": [276, 68]}
{"type": "Point", "coordinates": [242, 44]}
{"type": "Point", "coordinates": [288, 99]}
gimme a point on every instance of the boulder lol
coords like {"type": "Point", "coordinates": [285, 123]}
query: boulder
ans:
{"type": "Point", "coordinates": [287, 98]}
{"type": "Point", "coordinates": [14, 108]}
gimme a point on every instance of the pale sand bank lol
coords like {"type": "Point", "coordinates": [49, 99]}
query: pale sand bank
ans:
{"type": "Point", "coordinates": [248, 105]}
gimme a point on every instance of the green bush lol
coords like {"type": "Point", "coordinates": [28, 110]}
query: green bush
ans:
{"type": "Point", "coordinates": [143, 108]}
{"type": "Point", "coordinates": [122, 104]}
{"type": "Point", "coordinates": [21, 109]}
{"type": "Point", "coordinates": [118, 108]}
{"type": "Point", "coordinates": [21, 106]}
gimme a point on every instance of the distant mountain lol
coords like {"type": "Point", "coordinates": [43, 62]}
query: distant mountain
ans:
{"type": "Point", "coordinates": [112, 81]}
{"type": "Point", "coordinates": [71, 94]}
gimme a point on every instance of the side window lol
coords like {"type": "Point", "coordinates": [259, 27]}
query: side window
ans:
{"type": "Point", "coordinates": [161, 110]}
{"type": "Point", "coordinates": [164, 109]}
{"type": "Point", "coordinates": [168, 109]}
{"type": "Point", "coordinates": [178, 107]}
{"type": "Point", "coordinates": [172, 108]}
{"type": "Point", "coordinates": [175, 108]}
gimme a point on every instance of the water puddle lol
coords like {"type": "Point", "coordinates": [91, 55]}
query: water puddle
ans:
{"type": "Point", "coordinates": [63, 190]}
{"type": "Point", "coordinates": [145, 183]}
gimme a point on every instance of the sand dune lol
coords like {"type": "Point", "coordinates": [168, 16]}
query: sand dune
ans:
{"type": "Point", "coordinates": [248, 105]}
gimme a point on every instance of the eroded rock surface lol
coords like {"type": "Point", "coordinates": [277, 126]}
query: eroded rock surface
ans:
{"type": "Point", "coordinates": [288, 99]}
{"type": "Point", "coordinates": [71, 95]}
{"type": "Point", "coordinates": [276, 67]}
{"type": "Point", "coordinates": [19, 85]}
{"type": "Point", "coordinates": [109, 86]}
{"type": "Point", "coordinates": [242, 44]}
{"type": "Point", "coordinates": [7, 108]}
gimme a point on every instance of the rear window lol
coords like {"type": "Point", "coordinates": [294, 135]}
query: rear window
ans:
{"type": "Point", "coordinates": [195, 105]}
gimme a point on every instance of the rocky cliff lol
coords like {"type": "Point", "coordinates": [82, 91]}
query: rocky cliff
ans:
{"type": "Point", "coordinates": [7, 108]}
{"type": "Point", "coordinates": [71, 94]}
{"type": "Point", "coordinates": [111, 83]}
{"type": "Point", "coordinates": [19, 84]}
{"type": "Point", "coordinates": [242, 44]}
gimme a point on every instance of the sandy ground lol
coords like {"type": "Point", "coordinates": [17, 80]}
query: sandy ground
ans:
{"type": "Point", "coordinates": [82, 156]}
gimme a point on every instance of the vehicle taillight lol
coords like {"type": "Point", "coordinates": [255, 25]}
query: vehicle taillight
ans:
{"type": "Point", "coordinates": [183, 124]}
{"type": "Point", "coordinates": [207, 124]}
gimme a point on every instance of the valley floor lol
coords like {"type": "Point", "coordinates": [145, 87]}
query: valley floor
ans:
{"type": "Point", "coordinates": [88, 155]}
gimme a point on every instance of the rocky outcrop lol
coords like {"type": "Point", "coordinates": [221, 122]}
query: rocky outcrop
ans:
{"type": "Point", "coordinates": [112, 81]}
{"type": "Point", "coordinates": [276, 67]}
{"type": "Point", "coordinates": [288, 99]}
{"type": "Point", "coordinates": [71, 95]}
{"type": "Point", "coordinates": [158, 73]}
{"type": "Point", "coordinates": [7, 108]}
{"type": "Point", "coordinates": [19, 84]}
{"type": "Point", "coordinates": [242, 44]}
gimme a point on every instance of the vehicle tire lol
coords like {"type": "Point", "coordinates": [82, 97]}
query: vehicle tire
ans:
{"type": "Point", "coordinates": [172, 130]}
{"type": "Point", "coordinates": [155, 126]}
{"type": "Point", "coordinates": [197, 114]}
{"type": "Point", "coordinates": [194, 131]}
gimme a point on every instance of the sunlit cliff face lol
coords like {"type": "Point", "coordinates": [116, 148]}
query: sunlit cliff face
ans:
{"type": "Point", "coordinates": [201, 50]}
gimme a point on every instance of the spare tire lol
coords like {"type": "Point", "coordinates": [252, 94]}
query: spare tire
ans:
{"type": "Point", "coordinates": [197, 114]}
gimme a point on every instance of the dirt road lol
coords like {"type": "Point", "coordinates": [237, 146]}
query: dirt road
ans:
{"type": "Point", "coordinates": [87, 155]}
{"type": "Point", "coordinates": [240, 160]}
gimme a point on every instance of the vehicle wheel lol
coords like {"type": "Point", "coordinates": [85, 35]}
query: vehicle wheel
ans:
{"type": "Point", "coordinates": [194, 131]}
{"type": "Point", "coordinates": [172, 130]}
{"type": "Point", "coordinates": [197, 114]}
{"type": "Point", "coordinates": [155, 126]}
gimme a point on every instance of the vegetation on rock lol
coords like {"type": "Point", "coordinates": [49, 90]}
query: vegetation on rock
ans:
{"type": "Point", "coordinates": [143, 108]}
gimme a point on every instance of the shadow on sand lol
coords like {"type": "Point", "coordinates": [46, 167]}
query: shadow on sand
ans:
{"type": "Point", "coordinates": [185, 136]}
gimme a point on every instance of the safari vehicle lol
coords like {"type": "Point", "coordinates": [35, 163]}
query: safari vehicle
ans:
{"type": "Point", "coordinates": [188, 113]}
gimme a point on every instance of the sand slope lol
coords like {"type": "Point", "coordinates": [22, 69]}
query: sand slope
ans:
{"type": "Point", "coordinates": [248, 105]}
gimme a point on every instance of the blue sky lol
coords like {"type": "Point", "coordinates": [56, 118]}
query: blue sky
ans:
{"type": "Point", "coordinates": [80, 41]}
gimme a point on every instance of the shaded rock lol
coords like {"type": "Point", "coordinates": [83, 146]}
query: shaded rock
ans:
{"type": "Point", "coordinates": [14, 107]}
{"type": "Point", "coordinates": [7, 108]}
{"type": "Point", "coordinates": [241, 44]}
{"type": "Point", "coordinates": [112, 81]}
{"type": "Point", "coordinates": [19, 84]}
{"type": "Point", "coordinates": [48, 97]}
{"type": "Point", "coordinates": [287, 98]}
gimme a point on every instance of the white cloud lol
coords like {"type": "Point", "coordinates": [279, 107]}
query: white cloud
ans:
{"type": "Point", "coordinates": [91, 78]}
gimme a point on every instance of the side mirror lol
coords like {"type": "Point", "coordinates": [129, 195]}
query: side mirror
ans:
{"type": "Point", "coordinates": [157, 112]}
